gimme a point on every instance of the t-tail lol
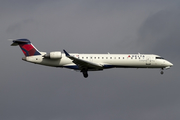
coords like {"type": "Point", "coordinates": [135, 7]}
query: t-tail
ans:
{"type": "Point", "coordinates": [26, 46]}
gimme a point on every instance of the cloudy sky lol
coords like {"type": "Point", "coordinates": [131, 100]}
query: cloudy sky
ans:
{"type": "Point", "coordinates": [34, 92]}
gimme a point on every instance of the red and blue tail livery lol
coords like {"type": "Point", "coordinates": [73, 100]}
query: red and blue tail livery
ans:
{"type": "Point", "coordinates": [26, 46]}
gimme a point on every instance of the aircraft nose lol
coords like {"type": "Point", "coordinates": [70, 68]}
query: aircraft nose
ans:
{"type": "Point", "coordinates": [169, 64]}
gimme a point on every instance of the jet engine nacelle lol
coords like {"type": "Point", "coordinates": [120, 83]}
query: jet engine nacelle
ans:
{"type": "Point", "coordinates": [53, 55]}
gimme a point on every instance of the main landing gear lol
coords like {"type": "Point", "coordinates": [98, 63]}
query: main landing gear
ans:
{"type": "Point", "coordinates": [85, 73]}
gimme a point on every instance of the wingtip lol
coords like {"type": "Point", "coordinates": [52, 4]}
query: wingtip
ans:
{"type": "Point", "coordinates": [66, 53]}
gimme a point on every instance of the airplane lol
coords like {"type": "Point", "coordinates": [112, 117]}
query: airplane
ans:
{"type": "Point", "coordinates": [89, 62]}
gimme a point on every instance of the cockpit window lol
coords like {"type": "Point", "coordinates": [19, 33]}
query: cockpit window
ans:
{"type": "Point", "coordinates": [159, 58]}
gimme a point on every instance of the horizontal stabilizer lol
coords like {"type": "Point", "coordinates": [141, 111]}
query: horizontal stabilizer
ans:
{"type": "Point", "coordinates": [14, 44]}
{"type": "Point", "coordinates": [19, 41]}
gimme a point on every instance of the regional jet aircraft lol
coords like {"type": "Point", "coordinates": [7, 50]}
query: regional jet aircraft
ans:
{"type": "Point", "coordinates": [89, 62]}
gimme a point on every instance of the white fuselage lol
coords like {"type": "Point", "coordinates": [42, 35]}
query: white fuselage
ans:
{"type": "Point", "coordinates": [105, 60]}
{"type": "Point", "coordinates": [89, 62]}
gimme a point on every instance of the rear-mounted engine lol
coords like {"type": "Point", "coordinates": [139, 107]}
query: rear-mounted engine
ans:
{"type": "Point", "coordinates": [53, 55]}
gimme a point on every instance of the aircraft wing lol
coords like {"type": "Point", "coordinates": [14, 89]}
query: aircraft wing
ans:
{"type": "Point", "coordinates": [83, 63]}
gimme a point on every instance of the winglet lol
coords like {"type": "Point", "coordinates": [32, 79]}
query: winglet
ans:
{"type": "Point", "coordinates": [66, 53]}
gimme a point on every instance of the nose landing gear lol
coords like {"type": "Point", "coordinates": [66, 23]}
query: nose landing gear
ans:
{"type": "Point", "coordinates": [162, 72]}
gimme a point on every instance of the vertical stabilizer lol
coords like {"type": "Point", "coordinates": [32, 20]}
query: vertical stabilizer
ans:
{"type": "Point", "coordinates": [26, 46]}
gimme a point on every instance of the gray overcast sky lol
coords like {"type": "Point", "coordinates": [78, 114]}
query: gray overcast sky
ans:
{"type": "Point", "coordinates": [34, 92]}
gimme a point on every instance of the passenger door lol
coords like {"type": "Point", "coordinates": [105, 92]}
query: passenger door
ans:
{"type": "Point", "coordinates": [148, 60]}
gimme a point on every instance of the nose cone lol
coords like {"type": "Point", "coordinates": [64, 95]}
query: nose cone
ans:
{"type": "Point", "coordinates": [169, 64]}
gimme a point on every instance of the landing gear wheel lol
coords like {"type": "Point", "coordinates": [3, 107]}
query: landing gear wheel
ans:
{"type": "Point", "coordinates": [85, 73]}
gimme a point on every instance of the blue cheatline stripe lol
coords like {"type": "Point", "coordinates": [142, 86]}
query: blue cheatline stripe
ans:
{"type": "Point", "coordinates": [108, 66]}
{"type": "Point", "coordinates": [75, 67]}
